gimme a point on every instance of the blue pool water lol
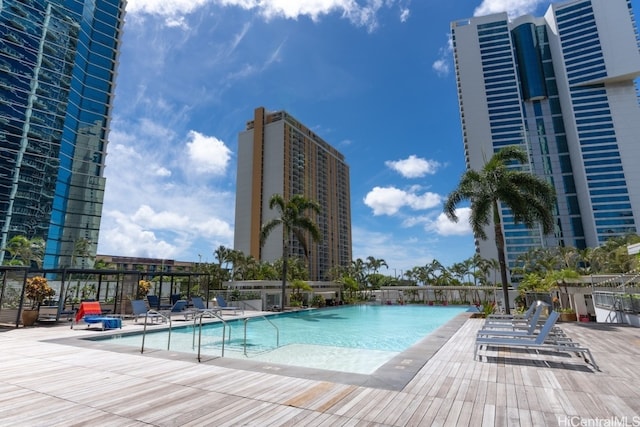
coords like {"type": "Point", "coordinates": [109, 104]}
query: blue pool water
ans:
{"type": "Point", "coordinates": [351, 338]}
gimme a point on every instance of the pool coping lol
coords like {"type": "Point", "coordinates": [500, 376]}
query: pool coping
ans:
{"type": "Point", "coordinates": [393, 375]}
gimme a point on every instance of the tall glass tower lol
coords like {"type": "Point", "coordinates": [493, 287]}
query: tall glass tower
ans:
{"type": "Point", "coordinates": [58, 61]}
{"type": "Point", "coordinates": [562, 87]}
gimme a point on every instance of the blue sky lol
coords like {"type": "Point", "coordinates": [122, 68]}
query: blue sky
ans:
{"type": "Point", "coordinates": [373, 78]}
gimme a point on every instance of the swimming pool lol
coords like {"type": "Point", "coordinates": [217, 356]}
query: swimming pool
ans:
{"type": "Point", "coordinates": [355, 339]}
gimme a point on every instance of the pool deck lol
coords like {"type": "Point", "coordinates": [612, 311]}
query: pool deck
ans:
{"type": "Point", "coordinates": [51, 378]}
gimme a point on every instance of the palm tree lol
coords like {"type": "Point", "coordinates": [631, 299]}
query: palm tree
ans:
{"type": "Point", "coordinates": [530, 199]}
{"type": "Point", "coordinates": [374, 264]}
{"type": "Point", "coordinates": [295, 223]}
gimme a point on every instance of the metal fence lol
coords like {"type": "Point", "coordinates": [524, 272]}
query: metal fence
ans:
{"type": "Point", "coordinates": [112, 288]}
{"type": "Point", "coordinates": [617, 301]}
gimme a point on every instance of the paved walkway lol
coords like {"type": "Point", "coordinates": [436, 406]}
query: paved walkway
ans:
{"type": "Point", "coordinates": [48, 380]}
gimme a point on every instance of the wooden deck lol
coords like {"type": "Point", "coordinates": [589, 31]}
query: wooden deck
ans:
{"type": "Point", "coordinates": [46, 383]}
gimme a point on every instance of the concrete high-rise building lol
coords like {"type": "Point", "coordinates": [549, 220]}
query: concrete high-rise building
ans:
{"type": "Point", "coordinates": [279, 155]}
{"type": "Point", "coordinates": [58, 61]}
{"type": "Point", "coordinates": [562, 88]}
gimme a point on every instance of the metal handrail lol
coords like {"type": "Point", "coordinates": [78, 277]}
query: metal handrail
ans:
{"type": "Point", "coordinates": [212, 314]}
{"type": "Point", "coordinates": [246, 320]}
{"type": "Point", "coordinates": [144, 331]}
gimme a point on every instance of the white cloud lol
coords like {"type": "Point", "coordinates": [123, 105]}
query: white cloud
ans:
{"type": "Point", "coordinates": [389, 200]}
{"type": "Point", "coordinates": [150, 210]}
{"type": "Point", "coordinates": [445, 227]}
{"type": "Point", "coordinates": [441, 65]}
{"type": "Point", "coordinates": [513, 7]}
{"type": "Point", "coordinates": [207, 154]}
{"type": "Point", "coordinates": [413, 167]}
{"type": "Point", "coordinates": [164, 7]}
{"type": "Point", "coordinates": [404, 15]}
{"type": "Point", "coordinates": [400, 254]}
{"type": "Point", "coordinates": [364, 15]}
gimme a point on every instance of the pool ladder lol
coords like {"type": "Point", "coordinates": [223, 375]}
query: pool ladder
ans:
{"type": "Point", "coordinates": [224, 326]}
{"type": "Point", "coordinates": [197, 321]}
{"type": "Point", "coordinates": [246, 320]}
{"type": "Point", "coordinates": [144, 331]}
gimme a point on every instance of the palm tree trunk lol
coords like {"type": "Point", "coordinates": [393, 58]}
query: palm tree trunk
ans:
{"type": "Point", "coordinates": [285, 262]}
{"type": "Point", "coordinates": [501, 258]}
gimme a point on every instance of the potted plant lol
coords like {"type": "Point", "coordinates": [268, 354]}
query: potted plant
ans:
{"type": "Point", "coordinates": [567, 315]}
{"type": "Point", "coordinates": [36, 291]}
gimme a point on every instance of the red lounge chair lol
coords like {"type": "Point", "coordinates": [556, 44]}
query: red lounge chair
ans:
{"type": "Point", "coordinates": [90, 313]}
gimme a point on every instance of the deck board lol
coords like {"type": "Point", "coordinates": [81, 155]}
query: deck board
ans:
{"type": "Point", "coordinates": [58, 384]}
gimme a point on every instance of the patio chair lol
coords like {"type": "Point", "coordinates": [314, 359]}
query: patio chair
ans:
{"type": "Point", "coordinates": [200, 307]}
{"type": "Point", "coordinates": [154, 303]}
{"type": "Point", "coordinates": [91, 313]}
{"type": "Point", "coordinates": [139, 309]}
{"type": "Point", "coordinates": [537, 342]}
{"type": "Point", "coordinates": [222, 304]}
{"type": "Point", "coordinates": [180, 307]}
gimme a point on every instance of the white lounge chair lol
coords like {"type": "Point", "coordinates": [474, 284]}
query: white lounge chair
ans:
{"type": "Point", "coordinates": [537, 342]}
{"type": "Point", "coordinates": [509, 329]}
{"type": "Point", "coordinates": [516, 318]}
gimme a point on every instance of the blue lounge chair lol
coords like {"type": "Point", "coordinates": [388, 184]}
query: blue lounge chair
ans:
{"type": "Point", "coordinates": [154, 303]}
{"type": "Point", "coordinates": [224, 306]}
{"type": "Point", "coordinates": [537, 342]}
{"type": "Point", "coordinates": [200, 307]}
{"type": "Point", "coordinates": [180, 307]}
{"type": "Point", "coordinates": [139, 309]}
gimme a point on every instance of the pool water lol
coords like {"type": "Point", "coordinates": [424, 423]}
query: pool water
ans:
{"type": "Point", "coordinates": [357, 339]}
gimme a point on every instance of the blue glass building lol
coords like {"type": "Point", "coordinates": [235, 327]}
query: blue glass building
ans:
{"type": "Point", "coordinates": [58, 61]}
{"type": "Point", "coordinates": [562, 87]}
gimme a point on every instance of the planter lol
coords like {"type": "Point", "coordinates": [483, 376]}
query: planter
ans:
{"type": "Point", "coordinates": [29, 317]}
{"type": "Point", "coordinates": [568, 317]}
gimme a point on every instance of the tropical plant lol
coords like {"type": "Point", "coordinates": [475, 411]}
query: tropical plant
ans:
{"type": "Point", "coordinates": [293, 217]}
{"type": "Point", "coordinates": [24, 251]}
{"type": "Point", "coordinates": [318, 301]}
{"type": "Point", "coordinates": [37, 290]}
{"type": "Point", "coordinates": [530, 199]}
{"type": "Point", "coordinates": [297, 288]}
{"type": "Point", "coordinates": [144, 286]}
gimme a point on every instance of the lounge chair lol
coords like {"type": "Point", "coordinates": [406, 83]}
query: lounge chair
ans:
{"type": "Point", "coordinates": [139, 309]}
{"type": "Point", "coordinates": [200, 307]}
{"type": "Point", "coordinates": [91, 313]}
{"type": "Point", "coordinates": [537, 342]}
{"type": "Point", "coordinates": [180, 307]}
{"type": "Point", "coordinates": [510, 328]}
{"type": "Point", "coordinates": [222, 304]}
{"type": "Point", "coordinates": [523, 331]}
{"type": "Point", "coordinates": [154, 303]}
{"type": "Point", "coordinates": [517, 318]}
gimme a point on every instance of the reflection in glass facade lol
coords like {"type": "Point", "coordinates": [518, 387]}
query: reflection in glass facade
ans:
{"type": "Point", "coordinates": [561, 87]}
{"type": "Point", "coordinates": [58, 60]}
